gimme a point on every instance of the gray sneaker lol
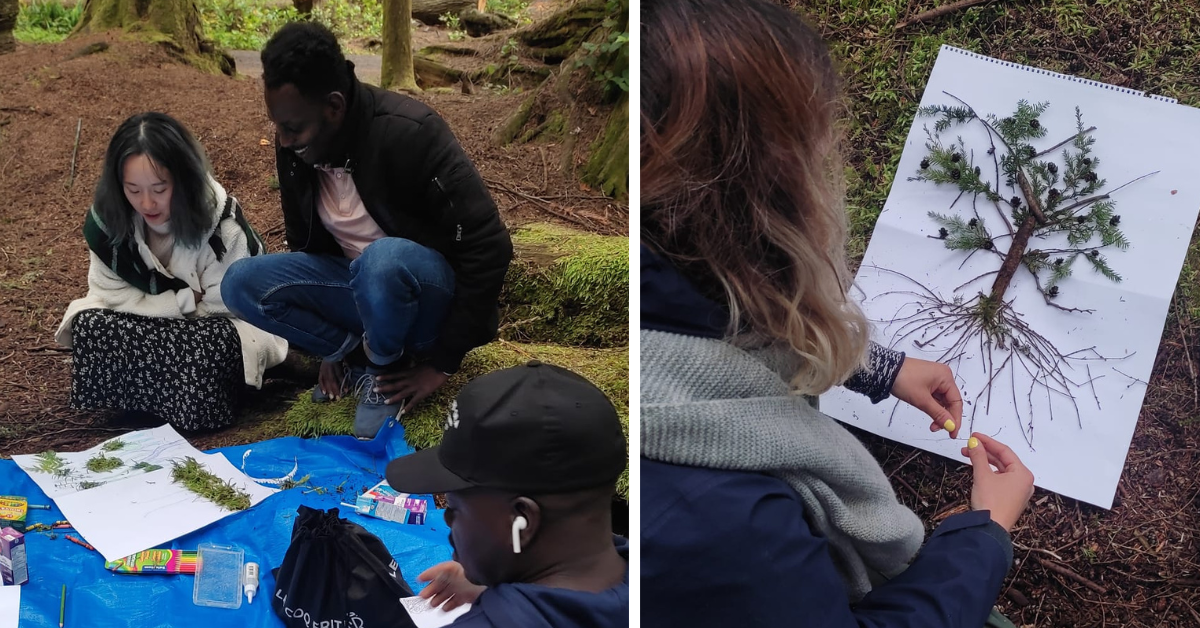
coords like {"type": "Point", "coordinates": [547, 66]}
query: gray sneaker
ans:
{"type": "Point", "coordinates": [372, 411]}
{"type": "Point", "coordinates": [349, 376]}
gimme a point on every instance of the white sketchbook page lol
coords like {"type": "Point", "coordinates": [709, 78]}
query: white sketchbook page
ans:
{"type": "Point", "coordinates": [426, 616]}
{"type": "Point", "coordinates": [155, 446]}
{"type": "Point", "coordinates": [1077, 457]}
{"type": "Point", "coordinates": [10, 606]}
{"type": "Point", "coordinates": [147, 510]}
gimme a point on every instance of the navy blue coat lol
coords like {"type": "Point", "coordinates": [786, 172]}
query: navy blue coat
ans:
{"type": "Point", "coordinates": [732, 548]}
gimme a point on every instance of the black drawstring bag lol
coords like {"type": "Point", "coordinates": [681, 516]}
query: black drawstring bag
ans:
{"type": "Point", "coordinates": [335, 573]}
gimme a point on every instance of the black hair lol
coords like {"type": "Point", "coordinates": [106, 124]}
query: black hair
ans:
{"type": "Point", "coordinates": [307, 55]}
{"type": "Point", "coordinates": [170, 146]}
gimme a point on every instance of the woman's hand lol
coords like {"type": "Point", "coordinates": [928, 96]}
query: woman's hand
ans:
{"type": "Point", "coordinates": [448, 584]}
{"type": "Point", "coordinates": [930, 387]}
{"type": "Point", "coordinates": [1006, 491]}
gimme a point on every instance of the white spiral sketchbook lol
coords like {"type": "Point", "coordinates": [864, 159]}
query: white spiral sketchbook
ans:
{"type": "Point", "coordinates": [1070, 416]}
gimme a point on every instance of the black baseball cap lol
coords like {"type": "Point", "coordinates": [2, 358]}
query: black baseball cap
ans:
{"type": "Point", "coordinates": [535, 428]}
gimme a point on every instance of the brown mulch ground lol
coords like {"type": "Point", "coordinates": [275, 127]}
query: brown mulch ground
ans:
{"type": "Point", "coordinates": [43, 260]}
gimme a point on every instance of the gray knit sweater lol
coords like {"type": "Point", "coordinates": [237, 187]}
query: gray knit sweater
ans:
{"type": "Point", "coordinates": [706, 403]}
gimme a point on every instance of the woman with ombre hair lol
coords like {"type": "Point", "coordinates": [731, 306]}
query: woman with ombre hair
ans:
{"type": "Point", "coordinates": [758, 510]}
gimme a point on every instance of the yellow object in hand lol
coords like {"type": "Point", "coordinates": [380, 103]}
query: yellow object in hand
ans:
{"type": "Point", "coordinates": [949, 425]}
{"type": "Point", "coordinates": [972, 443]}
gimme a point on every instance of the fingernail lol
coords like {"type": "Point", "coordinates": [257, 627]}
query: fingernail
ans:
{"type": "Point", "coordinates": [972, 443]}
{"type": "Point", "coordinates": [949, 425]}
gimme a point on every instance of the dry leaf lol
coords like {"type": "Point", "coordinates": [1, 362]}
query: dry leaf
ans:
{"type": "Point", "coordinates": [264, 142]}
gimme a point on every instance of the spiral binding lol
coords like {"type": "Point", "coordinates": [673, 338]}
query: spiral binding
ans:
{"type": "Point", "coordinates": [1065, 77]}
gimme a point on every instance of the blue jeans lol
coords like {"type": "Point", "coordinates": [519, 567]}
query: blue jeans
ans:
{"type": "Point", "coordinates": [393, 299]}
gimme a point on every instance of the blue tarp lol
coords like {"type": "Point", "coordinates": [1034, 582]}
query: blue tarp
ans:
{"type": "Point", "coordinates": [342, 466]}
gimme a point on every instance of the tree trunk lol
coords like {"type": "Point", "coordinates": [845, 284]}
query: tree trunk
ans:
{"type": "Point", "coordinates": [1020, 241]}
{"type": "Point", "coordinates": [557, 105]}
{"type": "Point", "coordinates": [175, 22]}
{"type": "Point", "coordinates": [1012, 261]}
{"type": "Point", "coordinates": [397, 68]}
{"type": "Point", "coordinates": [8, 21]}
{"type": "Point", "coordinates": [428, 11]}
{"type": "Point", "coordinates": [607, 168]}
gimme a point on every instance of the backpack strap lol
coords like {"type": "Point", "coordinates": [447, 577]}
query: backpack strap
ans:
{"type": "Point", "coordinates": [233, 209]}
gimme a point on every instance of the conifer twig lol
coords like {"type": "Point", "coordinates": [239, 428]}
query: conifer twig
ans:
{"type": "Point", "coordinates": [933, 14]}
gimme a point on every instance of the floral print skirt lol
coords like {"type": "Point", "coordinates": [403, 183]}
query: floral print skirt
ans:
{"type": "Point", "coordinates": [186, 371]}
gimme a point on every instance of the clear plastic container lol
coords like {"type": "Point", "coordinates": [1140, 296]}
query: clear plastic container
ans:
{"type": "Point", "coordinates": [218, 576]}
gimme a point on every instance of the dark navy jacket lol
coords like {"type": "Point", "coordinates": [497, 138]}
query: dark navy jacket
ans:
{"type": "Point", "coordinates": [537, 606]}
{"type": "Point", "coordinates": [732, 548]}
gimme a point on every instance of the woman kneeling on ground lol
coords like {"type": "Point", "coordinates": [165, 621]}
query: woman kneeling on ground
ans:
{"type": "Point", "coordinates": [758, 510]}
{"type": "Point", "coordinates": [153, 334]}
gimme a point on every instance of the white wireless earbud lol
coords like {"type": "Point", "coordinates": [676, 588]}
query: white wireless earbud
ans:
{"type": "Point", "coordinates": [518, 524]}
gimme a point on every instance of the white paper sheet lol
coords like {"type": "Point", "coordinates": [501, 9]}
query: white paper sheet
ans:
{"type": "Point", "coordinates": [426, 616]}
{"type": "Point", "coordinates": [132, 511]}
{"type": "Point", "coordinates": [136, 450]}
{"type": "Point", "coordinates": [10, 606]}
{"type": "Point", "coordinates": [1080, 455]}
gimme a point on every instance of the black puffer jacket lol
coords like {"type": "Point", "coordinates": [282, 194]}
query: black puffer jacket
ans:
{"type": "Point", "coordinates": [417, 183]}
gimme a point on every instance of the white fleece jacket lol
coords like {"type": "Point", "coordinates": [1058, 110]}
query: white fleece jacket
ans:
{"type": "Point", "coordinates": [201, 270]}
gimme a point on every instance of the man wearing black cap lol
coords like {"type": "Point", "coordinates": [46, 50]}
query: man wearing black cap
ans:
{"type": "Point", "coordinates": [529, 462]}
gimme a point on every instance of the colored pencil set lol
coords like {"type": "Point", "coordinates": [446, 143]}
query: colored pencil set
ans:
{"type": "Point", "coordinates": [162, 561]}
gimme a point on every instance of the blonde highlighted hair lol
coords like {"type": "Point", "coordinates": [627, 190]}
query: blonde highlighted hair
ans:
{"type": "Point", "coordinates": [741, 175]}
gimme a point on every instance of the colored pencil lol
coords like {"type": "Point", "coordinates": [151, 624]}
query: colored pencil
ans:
{"type": "Point", "coordinates": [62, 606]}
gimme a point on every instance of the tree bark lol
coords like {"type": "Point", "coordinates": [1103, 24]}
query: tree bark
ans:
{"type": "Point", "coordinates": [478, 24]}
{"type": "Point", "coordinates": [8, 21]}
{"type": "Point", "coordinates": [176, 21]}
{"type": "Point", "coordinates": [397, 70]}
{"type": "Point", "coordinates": [561, 34]}
{"type": "Point", "coordinates": [1020, 241]}
{"type": "Point", "coordinates": [1012, 261]}
{"type": "Point", "coordinates": [180, 19]}
{"type": "Point", "coordinates": [428, 11]}
{"type": "Point", "coordinates": [607, 168]}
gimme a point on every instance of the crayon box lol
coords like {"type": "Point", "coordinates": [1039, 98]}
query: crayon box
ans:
{"type": "Point", "coordinates": [13, 510]}
{"type": "Point", "coordinates": [384, 502]}
{"type": "Point", "coordinates": [164, 561]}
{"type": "Point", "coordinates": [14, 567]}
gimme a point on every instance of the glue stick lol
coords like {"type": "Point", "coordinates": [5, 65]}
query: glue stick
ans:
{"type": "Point", "coordinates": [251, 581]}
